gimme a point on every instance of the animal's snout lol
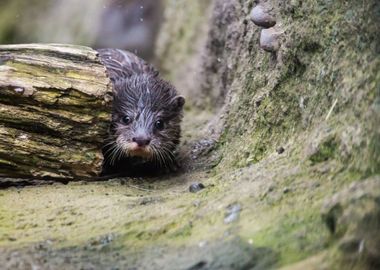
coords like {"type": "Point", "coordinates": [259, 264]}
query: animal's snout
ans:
{"type": "Point", "coordinates": [141, 141]}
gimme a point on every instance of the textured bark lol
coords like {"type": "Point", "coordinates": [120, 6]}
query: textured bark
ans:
{"type": "Point", "coordinates": [54, 111]}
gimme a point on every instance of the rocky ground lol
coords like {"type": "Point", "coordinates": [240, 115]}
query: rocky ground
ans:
{"type": "Point", "coordinates": [280, 154]}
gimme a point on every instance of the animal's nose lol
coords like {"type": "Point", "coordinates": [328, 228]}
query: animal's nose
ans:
{"type": "Point", "coordinates": [141, 141]}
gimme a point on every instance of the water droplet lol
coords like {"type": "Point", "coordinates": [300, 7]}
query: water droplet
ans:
{"type": "Point", "coordinates": [19, 90]}
{"type": "Point", "coordinates": [23, 137]}
{"type": "Point", "coordinates": [141, 19]}
{"type": "Point", "coordinates": [141, 7]}
{"type": "Point", "coordinates": [202, 244]}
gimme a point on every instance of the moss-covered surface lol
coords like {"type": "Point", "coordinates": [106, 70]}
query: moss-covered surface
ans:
{"type": "Point", "coordinates": [290, 131]}
{"type": "Point", "coordinates": [187, 23]}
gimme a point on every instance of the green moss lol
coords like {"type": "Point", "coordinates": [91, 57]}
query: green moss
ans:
{"type": "Point", "coordinates": [297, 236]}
{"type": "Point", "coordinates": [187, 20]}
{"type": "Point", "coordinates": [326, 150]}
{"type": "Point", "coordinates": [273, 100]}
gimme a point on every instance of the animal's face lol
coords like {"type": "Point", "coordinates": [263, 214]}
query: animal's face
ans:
{"type": "Point", "coordinates": [146, 118]}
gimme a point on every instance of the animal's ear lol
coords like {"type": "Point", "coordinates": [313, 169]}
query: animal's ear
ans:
{"type": "Point", "coordinates": [177, 103]}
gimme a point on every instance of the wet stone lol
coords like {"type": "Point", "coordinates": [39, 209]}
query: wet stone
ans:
{"type": "Point", "coordinates": [196, 187]}
{"type": "Point", "coordinates": [232, 213]}
{"type": "Point", "coordinates": [280, 150]}
{"type": "Point", "coordinates": [197, 203]}
{"type": "Point", "coordinates": [269, 40]}
{"type": "Point", "coordinates": [260, 15]}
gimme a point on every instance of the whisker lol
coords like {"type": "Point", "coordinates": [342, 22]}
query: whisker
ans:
{"type": "Point", "coordinates": [110, 149]}
{"type": "Point", "coordinates": [112, 155]}
{"type": "Point", "coordinates": [156, 156]}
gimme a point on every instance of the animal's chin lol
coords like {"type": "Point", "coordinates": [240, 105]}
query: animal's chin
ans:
{"type": "Point", "coordinates": [134, 150]}
{"type": "Point", "coordinates": [140, 153]}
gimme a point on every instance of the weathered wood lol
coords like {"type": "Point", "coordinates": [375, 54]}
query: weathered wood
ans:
{"type": "Point", "coordinates": [55, 105]}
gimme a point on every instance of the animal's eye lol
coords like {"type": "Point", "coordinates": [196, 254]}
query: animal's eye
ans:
{"type": "Point", "coordinates": [159, 124]}
{"type": "Point", "coordinates": [127, 120]}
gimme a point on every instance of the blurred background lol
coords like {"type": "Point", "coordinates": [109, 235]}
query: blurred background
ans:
{"type": "Point", "coordinates": [127, 24]}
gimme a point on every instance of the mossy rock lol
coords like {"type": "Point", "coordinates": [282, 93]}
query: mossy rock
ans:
{"type": "Point", "coordinates": [252, 103]}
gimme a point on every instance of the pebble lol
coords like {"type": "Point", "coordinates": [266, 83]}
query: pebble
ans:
{"type": "Point", "coordinates": [232, 213]}
{"type": "Point", "coordinates": [261, 16]}
{"type": "Point", "coordinates": [269, 39]}
{"type": "Point", "coordinates": [280, 150]}
{"type": "Point", "coordinates": [197, 203]}
{"type": "Point", "coordinates": [196, 187]}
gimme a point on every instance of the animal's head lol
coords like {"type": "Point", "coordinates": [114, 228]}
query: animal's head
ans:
{"type": "Point", "coordinates": [146, 119]}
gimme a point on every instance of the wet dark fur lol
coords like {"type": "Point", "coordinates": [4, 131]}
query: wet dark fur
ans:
{"type": "Point", "coordinates": [140, 94]}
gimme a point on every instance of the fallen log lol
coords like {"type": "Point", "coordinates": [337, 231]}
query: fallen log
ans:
{"type": "Point", "coordinates": [55, 104]}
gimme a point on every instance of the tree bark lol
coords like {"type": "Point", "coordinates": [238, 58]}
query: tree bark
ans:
{"type": "Point", "coordinates": [55, 103]}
